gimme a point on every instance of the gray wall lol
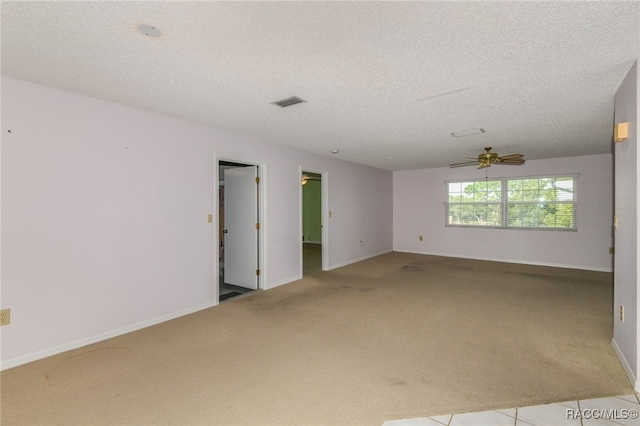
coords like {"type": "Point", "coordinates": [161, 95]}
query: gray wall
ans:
{"type": "Point", "coordinates": [625, 334]}
{"type": "Point", "coordinates": [105, 208]}
{"type": "Point", "coordinates": [419, 209]}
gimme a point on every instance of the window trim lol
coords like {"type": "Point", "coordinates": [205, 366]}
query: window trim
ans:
{"type": "Point", "coordinates": [505, 202]}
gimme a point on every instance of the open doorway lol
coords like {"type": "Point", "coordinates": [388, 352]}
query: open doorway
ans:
{"type": "Point", "coordinates": [238, 229]}
{"type": "Point", "coordinates": [313, 236]}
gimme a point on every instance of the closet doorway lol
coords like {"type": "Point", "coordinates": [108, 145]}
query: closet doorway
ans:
{"type": "Point", "coordinates": [313, 222]}
{"type": "Point", "coordinates": [239, 229]}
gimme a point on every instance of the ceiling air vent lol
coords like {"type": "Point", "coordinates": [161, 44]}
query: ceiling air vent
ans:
{"type": "Point", "coordinates": [467, 132]}
{"type": "Point", "coordinates": [289, 101]}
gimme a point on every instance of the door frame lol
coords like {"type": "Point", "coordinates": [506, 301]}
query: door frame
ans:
{"type": "Point", "coordinates": [262, 216]}
{"type": "Point", "coordinates": [324, 214]}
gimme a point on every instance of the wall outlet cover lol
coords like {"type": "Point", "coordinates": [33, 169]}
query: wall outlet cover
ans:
{"type": "Point", "coordinates": [5, 317]}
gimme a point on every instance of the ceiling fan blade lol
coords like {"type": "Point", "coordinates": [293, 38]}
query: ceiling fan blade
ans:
{"type": "Point", "coordinates": [483, 165]}
{"type": "Point", "coordinates": [512, 162]}
{"type": "Point", "coordinates": [466, 163]}
{"type": "Point", "coordinates": [512, 156]}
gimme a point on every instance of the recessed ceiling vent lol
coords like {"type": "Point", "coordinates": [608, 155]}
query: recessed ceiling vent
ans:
{"type": "Point", "coordinates": [289, 101]}
{"type": "Point", "coordinates": [467, 132]}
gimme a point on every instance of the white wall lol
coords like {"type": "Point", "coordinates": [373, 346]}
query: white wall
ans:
{"type": "Point", "coordinates": [104, 216]}
{"type": "Point", "coordinates": [419, 209]}
{"type": "Point", "coordinates": [625, 334]}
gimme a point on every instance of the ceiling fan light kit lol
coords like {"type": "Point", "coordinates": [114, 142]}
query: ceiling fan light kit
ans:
{"type": "Point", "coordinates": [488, 158]}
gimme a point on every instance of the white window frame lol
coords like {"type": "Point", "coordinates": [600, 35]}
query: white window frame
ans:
{"type": "Point", "coordinates": [505, 203]}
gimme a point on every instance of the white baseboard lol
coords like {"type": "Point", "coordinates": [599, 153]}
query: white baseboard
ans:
{"type": "Point", "coordinates": [100, 337]}
{"type": "Point", "coordinates": [299, 277]}
{"type": "Point", "coordinates": [626, 366]}
{"type": "Point", "coordinates": [521, 262]}
{"type": "Point", "coordinates": [340, 265]}
{"type": "Point", "coordinates": [283, 282]}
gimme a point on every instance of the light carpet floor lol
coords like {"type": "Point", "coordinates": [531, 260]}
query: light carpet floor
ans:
{"type": "Point", "coordinates": [396, 336]}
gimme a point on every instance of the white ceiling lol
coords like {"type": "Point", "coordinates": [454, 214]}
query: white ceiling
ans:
{"type": "Point", "coordinates": [385, 82]}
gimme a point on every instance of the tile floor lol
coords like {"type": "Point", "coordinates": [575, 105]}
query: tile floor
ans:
{"type": "Point", "coordinates": [621, 410]}
{"type": "Point", "coordinates": [226, 290]}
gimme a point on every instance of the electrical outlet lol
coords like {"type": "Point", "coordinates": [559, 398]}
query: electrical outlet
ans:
{"type": "Point", "coordinates": [361, 243]}
{"type": "Point", "coordinates": [5, 317]}
{"type": "Point", "coordinates": [420, 238]}
{"type": "Point", "coordinates": [621, 313]}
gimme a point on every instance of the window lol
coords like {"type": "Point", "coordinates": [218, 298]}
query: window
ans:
{"type": "Point", "coordinates": [475, 203]}
{"type": "Point", "coordinates": [537, 202]}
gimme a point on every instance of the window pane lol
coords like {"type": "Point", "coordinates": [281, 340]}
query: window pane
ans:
{"type": "Point", "coordinates": [547, 194]}
{"type": "Point", "coordinates": [453, 214]}
{"type": "Point", "coordinates": [486, 215]}
{"type": "Point", "coordinates": [561, 216]}
{"type": "Point", "coordinates": [566, 216]}
{"type": "Point", "coordinates": [481, 195]}
{"type": "Point", "coordinates": [532, 203]}
{"type": "Point", "coordinates": [466, 214]}
{"type": "Point", "coordinates": [515, 213]}
{"type": "Point", "coordinates": [494, 190]}
{"type": "Point", "coordinates": [529, 215]}
{"type": "Point", "coordinates": [564, 189]}
{"type": "Point", "coordinates": [514, 190]}
{"type": "Point", "coordinates": [528, 189]}
{"type": "Point", "coordinates": [544, 215]}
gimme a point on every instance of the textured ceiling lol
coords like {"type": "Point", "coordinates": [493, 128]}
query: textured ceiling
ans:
{"type": "Point", "coordinates": [385, 82]}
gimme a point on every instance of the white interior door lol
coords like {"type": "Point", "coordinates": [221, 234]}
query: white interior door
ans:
{"type": "Point", "coordinates": [241, 233]}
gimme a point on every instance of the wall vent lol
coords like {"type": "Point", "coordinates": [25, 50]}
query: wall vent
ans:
{"type": "Point", "coordinates": [289, 101]}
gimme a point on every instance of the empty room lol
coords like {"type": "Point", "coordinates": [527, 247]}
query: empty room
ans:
{"type": "Point", "coordinates": [319, 213]}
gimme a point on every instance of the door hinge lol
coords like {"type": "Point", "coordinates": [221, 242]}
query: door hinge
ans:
{"type": "Point", "coordinates": [257, 225]}
{"type": "Point", "coordinates": [258, 179]}
{"type": "Point", "coordinates": [257, 271]}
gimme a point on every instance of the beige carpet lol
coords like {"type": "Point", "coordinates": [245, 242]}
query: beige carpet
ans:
{"type": "Point", "coordinates": [396, 336]}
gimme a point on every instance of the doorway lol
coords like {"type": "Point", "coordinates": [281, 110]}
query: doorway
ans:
{"type": "Point", "coordinates": [238, 229]}
{"type": "Point", "coordinates": [312, 219]}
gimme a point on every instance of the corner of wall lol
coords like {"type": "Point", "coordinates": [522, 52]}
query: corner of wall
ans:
{"type": "Point", "coordinates": [626, 366]}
